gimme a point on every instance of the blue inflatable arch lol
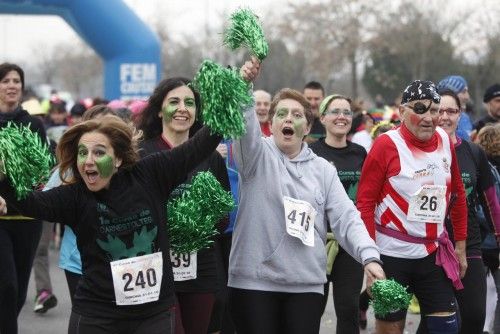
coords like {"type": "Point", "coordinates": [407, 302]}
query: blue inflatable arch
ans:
{"type": "Point", "coordinates": [129, 49]}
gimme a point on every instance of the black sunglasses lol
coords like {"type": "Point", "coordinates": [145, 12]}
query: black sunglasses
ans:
{"type": "Point", "coordinates": [420, 108]}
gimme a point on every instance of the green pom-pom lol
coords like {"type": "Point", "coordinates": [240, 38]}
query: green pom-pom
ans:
{"type": "Point", "coordinates": [223, 94]}
{"type": "Point", "coordinates": [27, 161]}
{"type": "Point", "coordinates": [246, 30]}
{"type": "Point", "coordinates": [389, 296]}
{"type": "Point", "coordinates": [193, 215]}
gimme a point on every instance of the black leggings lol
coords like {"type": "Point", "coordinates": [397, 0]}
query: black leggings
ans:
{"type": "Point", "coordinates": [18, 244]}
{"type": "Point", "coordinates": [72, 279]}
{"type": "Point", "coordinates": [263, 312]}
{"type": "Point", "coordinates": [347, 280]}
{"type": "Point", "coordinates": [193, 311]}
{"type": "Point", "coordinates": [162, 323]}
{"type": "Point", "coordinates": [472, 298]}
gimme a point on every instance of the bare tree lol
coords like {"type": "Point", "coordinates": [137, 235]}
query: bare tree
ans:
{"type": "Point", "coordinates": [333, 34]}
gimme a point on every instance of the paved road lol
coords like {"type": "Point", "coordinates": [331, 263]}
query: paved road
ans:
{"type": "Point", "coordinates": [55, 321]}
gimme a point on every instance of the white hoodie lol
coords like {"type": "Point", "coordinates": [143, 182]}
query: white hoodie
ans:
{"type": "Point", "coordinates": [263, 255]}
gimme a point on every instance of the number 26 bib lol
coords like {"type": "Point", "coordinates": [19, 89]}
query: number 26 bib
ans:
{"type": "Point", "coordinates": [299, 219]}
{"type": "Point", "coordinates": [428, 205]}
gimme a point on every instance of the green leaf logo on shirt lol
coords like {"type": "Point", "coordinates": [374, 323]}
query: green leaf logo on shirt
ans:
{"type": "Point", "coordinates": [143, 244]}
{"type": "Point", "coordinates": [352, 191]}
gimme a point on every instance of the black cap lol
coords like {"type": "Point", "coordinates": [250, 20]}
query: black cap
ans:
{"type": "Point", "coordinates": [420, 90]}
{"type": "Point", "coordinates": [492, 92]}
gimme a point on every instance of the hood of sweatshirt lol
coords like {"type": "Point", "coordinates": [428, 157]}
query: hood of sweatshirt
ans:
{"type": "Point", "coordinates": [296, 164]}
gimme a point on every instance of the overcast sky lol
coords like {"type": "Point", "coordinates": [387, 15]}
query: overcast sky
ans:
{"type": "Point", "coordinates": [20, 35]}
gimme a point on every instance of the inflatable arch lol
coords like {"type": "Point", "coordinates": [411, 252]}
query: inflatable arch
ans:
{"type": "Point", "coordinates": [129, 49]}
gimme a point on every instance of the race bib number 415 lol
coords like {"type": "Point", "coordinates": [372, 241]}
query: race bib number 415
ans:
{"type": "Point", "coordinates": [137, 280]}
{"type": "Point", "coordinates": [428, 205]}
{"type": "Point", "coordinates": [299, 220]}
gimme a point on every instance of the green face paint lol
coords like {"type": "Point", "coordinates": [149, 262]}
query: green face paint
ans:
{"type": "Point", "coordinates": [168, 111]}
{"type": "Point", "coordinates": [189, 102]}
{"type": "Point", "coordinates": [298, 127]}
{"type": "Point", "coordinates": [281, 113]}
{"type": "Point", "coordinates": [82, 154]}
{"type": "Point", "coordinates": [105, 165]}
{"type": "Point", "coordinates": [298, 120]}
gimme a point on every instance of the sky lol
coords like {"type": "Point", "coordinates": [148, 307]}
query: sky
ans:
{"type": "Point", "coordinates": [22, 35]}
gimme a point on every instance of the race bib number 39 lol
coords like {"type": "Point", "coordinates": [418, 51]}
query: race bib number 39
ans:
{"type": "Point", "coordinates": [428, 205]}
{"type": "Point", "coordinates": [137, 280]}
{"type": "Point", "coordinates": [299, 219]}
{"type": "Point", "coordinates": [184, 266]}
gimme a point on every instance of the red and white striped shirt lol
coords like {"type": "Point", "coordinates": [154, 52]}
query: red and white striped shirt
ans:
{"type": "Point", "coordinates": [396, 168]}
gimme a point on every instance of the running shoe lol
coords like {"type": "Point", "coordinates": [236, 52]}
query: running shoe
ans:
{"type": "Point", "coordinates": [44, 302]}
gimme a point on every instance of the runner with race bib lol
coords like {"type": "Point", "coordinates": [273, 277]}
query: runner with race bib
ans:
{"type": "Point", "coordinates": [288, 195]}
{"type": "Point", "coordinates": [167, 122]}
{"type": "Point", "coordinates": [115, 205]}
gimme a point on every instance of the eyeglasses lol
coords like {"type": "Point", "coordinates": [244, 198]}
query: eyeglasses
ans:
{"type": "Point", "coordinates": [337, 112]}
{"type": "Point", "coordinates": [420, 108]}
{"type": "Point", "coordinates": [449, 111]}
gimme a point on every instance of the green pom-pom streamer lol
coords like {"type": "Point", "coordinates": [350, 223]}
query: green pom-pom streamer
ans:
{"type": "Point", "coordinates": [389, 296]}
{"type": "Point", "coordinates": [193, 216]}
{"type": "Point", "coordinates": [223, 95]}
{"type": "Point", "coordinates": [246, 30]}
{"type": "Point", "coordinates": [27, 161]}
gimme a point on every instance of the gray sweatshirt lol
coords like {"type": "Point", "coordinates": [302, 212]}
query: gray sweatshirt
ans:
{"type": "Point", "coordinates": [263, 255]}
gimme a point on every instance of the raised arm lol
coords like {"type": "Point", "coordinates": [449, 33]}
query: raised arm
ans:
{"type": "Point", "coordinates": [170, 168]}
{"type": "Point", "coordinates": [249, 147]}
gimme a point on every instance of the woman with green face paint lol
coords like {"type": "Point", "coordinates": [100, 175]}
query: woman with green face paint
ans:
{"type": "Point", "coordinates": [115, 204]}
{"type": "Point", "coordinates": [288, 197]}
{"type": "Point", "coordinates": [166, 123]}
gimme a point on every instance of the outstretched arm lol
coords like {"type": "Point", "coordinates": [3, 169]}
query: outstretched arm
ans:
{"type": "Point", "coordinates": [249, 147]}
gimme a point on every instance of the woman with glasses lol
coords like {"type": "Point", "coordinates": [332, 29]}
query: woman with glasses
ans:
{"type": "Point", "coordinates": [288, 196]}
{"type": "Point", "coordinates": [404, 194]}
{"type": "Point", "coordinates": [480, 189]}
{"type": "Point", "coordinates": [347, 157]}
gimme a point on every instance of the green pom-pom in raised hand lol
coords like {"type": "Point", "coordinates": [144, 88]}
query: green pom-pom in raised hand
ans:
{"type": "Point", "coordinates": [193, 216]}
{"type": "Point", "coordinates": [246, 30]}
{"type": "Point", "coordinates": [389, 296]}
{"type": "Point", "coordinates": [26, 160]}
{"type": "Point", "coordinates": [223, 94]}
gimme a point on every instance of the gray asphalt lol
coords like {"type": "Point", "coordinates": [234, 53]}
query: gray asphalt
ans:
{"type": "Point", "coordinates": [55, 321]}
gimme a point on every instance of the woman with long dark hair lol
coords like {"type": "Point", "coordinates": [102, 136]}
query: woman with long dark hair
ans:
{"type": "Point", "coordinates": [19, 234]}
{"type": "Point", "coordinates": [167, 122]}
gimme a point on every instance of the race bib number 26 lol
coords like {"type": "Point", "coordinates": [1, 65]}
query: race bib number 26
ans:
{"type": "Point", "coordinates": [137, 280]}
{"type": "Point", "coordinates": [428, 205]}
{"type": "Point", "coordinates": [299, 220]}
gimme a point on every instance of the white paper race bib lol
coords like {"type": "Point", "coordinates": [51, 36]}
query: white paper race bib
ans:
{"type": "Point", "coordinates": [137, 280]}
{"type": "Point", "coordinates": [428, 205]}
{"type": "Point", "coordinates": [299, 220]}
{"type": "Point", "coordinates": [184, 266]}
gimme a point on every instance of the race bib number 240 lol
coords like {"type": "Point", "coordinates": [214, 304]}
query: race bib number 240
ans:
{"type": "Point", "coordinates": [137, 280]}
